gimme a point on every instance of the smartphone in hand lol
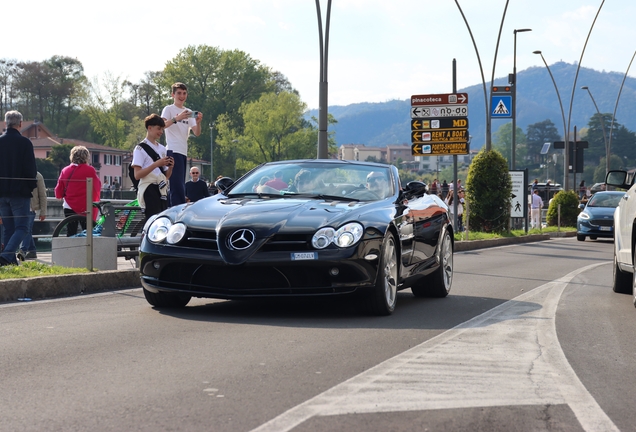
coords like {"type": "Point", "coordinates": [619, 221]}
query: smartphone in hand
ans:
{"type": "Point", "coordinates": [169, 153]}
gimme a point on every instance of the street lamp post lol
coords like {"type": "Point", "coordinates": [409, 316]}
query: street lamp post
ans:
{"type": "Point", "coordinates": [607, 155]}
{"type": "Point", "coordinates": [566, 154]}
{"type": "Point", "coordinates": [514, 98]}
{"type": "Point", "coordinates": [609, 144]}
{"type": "Point", "coordinates": [212, 152]}
{"type": "Point", "coordinates": [323, 89]}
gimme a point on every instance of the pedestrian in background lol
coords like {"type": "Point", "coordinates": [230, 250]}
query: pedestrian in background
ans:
{"type": "Point", "coordinates": [39, 205]}
{"type": "Point", "coordinates": [71, 187]}
{"type": "Point", "coordinates": [17, 181]}
{"type": "Point", "coordinates": [196, 189]}
{"type": "Point", "coordinates": [536, 204]}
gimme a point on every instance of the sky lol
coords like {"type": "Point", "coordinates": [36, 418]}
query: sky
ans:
{"type": "Point", "coordinates": [379, 50]}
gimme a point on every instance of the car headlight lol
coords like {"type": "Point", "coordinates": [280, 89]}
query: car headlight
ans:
{"type": "Point", "coordinates": [323, 237]}
{"type": "Point", "coordinates": [584, 215]}
{"type": "Point", "coordinates": [346, 236]}
{"type": "Point", "coordinates": [176, 233]}
{"type": "Point", "coordinates": [349, 234]}
{"type": "Point", "coordinates": [158, 230]}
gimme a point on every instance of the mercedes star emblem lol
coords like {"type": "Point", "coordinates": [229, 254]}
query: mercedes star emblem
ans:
{"type": "Point", "coordinates": [241, 239]}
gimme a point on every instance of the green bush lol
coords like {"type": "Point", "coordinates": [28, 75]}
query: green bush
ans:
{"type": "Point", "coordinates": [489, 192]}
{"type": "Point", "coordinates": [569, 201]}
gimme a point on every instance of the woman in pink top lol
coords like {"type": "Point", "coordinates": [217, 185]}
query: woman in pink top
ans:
{"type": "Point", "coordinates": [71, 186]}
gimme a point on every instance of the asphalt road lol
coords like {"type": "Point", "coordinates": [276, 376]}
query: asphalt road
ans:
{"type": "Point", "coordinates": [531, 338]}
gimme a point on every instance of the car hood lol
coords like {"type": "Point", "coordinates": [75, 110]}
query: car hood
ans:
{"type": "Point", "coordinates": [265, 218]}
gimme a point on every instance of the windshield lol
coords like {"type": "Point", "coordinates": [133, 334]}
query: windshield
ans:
{"type": "Point", "coordinates": [322, 180]}
{"type": "Point", "coordinates": [604, 200]}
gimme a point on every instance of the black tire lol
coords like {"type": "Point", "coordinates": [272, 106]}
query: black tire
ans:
{"type": "Point", "coordinates": [166, 300]}
{"type": "Point", "coordinates": [438, 283]}
{"type": "Point", "coordinates": [622, 282]}
{"type": "Point", "coordinates": [60, 228]}
{"type": "Point", "coordinates": [384, 295]}
{"type": "Point", "coordinates": [580, 237]}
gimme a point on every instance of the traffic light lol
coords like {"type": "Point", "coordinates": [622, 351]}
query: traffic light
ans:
{"type": "Point", "coordinates": [502, 89]}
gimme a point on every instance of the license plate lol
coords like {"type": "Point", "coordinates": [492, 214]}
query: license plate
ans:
{"type": "Point", "coordinates": [606, 228]}
{"type": "Point", "coordinates": [304, 256]}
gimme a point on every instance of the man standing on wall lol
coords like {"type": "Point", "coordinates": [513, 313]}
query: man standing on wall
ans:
{"type": "Point", "coordinates": [17, 181]}
{"type": "Point", "coordinates": [179, 120]}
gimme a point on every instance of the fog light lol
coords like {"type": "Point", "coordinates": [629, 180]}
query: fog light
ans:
{"type": "Point", "coordinates": [156, 265]}
{"type": "Point", "coordinates": [334, 271]}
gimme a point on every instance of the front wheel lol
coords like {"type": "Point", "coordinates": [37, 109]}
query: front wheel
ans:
{"type": "Point", "coordinates": [438, 283]}
{"type": "Point", "coordinates": [384, 295]}
{"type": "Point", "coordinates": [166, 300]}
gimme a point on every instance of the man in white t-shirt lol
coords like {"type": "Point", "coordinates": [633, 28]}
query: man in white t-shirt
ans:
{"type": "Point", "coordinates": [536, 204]}
{"type": "Point", "coordinates": [179, 120]}
{"type": "Point", "coordinates": [152, 174]}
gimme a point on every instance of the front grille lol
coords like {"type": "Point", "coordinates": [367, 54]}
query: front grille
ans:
{"type": "Point", "coordinates": [288, 243]}
{"type": "Point", "coordinates": [201, 239]}
{"type": "Point", "coordinates": [602, 222]}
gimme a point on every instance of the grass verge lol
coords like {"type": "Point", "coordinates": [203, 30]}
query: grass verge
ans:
{"type": "Point", "coordinates": [475, 235]}
{"type": "Point", "coordinates": [34, 268]}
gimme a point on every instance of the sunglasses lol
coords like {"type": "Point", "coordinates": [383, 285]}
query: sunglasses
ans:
{"type": "Point", "coordinates": [194, 172]}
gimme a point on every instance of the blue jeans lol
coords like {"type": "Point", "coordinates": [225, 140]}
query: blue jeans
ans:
{"type": "Point", "coordinates": [15, 219]}
{"type": "Point", "coordinates": [28, 244]}
{"type": "Point", "coordinates": [177, 180]}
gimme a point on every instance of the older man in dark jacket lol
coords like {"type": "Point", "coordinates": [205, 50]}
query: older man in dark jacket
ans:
{"type": "Point", "coordinates": [17, 181]}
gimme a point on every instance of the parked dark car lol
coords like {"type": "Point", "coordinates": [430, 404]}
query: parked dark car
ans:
{"type": "Point", "coordinates": [302, 228]}
{"type": "Point", "coordinates": [597, 216]}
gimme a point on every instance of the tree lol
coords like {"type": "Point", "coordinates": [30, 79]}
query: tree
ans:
{"type": "Point", "coordinates": [49, 90]}
{"type": "Point", "coordinates": [105, 108]}
{"type": "Point", "coordinates": [60, 155]}
{"type": "Point", "coordinates": [503, 142]}
{"type": "Point", "coordinates": [274, 129]}
{"type": "Point", "coordinates": [7, 74]}
{"type": "Point", "coordinates": [69, 87]}
{"type": "Point", "coordinates": [489, 191]}
{"type": "Point", "coordinates": [219, 82]}
{"type": "Point", "coordinates": [49, 171]}
{"type": "Point", "coordinates": [537, 134]}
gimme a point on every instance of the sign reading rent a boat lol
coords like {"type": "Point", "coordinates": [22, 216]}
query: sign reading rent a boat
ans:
{"type": "Point", "coordinates": [440, 135]}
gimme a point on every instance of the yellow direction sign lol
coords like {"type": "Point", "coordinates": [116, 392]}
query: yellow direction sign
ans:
{"type": "Point", "coordinates": [437, 148]}
{"type": "Point", "coordinates": [439, 135]}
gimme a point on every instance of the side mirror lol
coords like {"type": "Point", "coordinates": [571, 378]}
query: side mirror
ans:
{"type": "Point", "coordinates": [415, 187]}
{"type": "Point", "coordinates": [223, 183]}
{"type": "Point", "coordinates": [581, 206]}
{"type": "Point", "coordinates": [618, 179]}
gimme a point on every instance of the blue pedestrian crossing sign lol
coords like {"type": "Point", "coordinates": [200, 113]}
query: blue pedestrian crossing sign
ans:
{"type": "Point", "coordinates": [501, 106]}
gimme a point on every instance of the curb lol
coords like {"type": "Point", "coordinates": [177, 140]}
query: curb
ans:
{"type": "Point", "coordinates": [67, 285]}
{"type": "Point", "coordinates": [42, 287]}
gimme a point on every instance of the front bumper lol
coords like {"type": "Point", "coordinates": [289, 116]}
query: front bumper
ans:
{"type": "Point", "coordinates": [205, 274]}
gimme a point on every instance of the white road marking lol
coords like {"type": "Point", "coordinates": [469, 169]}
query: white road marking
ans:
{"type": "Point", "coordinates": [507, 356]}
